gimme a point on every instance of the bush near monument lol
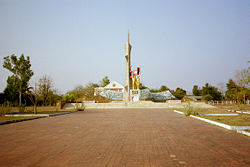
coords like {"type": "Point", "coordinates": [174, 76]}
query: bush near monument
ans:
{"type": "Point", "coordinates": [80, 106]}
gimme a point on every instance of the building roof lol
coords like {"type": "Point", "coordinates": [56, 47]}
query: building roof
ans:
{"type": "Point", "coordinates": [114, 85]}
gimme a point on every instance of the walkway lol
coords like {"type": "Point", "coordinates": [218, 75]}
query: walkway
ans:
{"type": "Point", "coordinates": [121, 138]}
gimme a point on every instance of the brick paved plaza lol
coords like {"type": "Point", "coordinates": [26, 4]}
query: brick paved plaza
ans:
{"type": "Point", "coordinates": [121, 138]}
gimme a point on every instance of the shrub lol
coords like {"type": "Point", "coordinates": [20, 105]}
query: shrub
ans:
{"type": "Point", "coordinates": [195, 111]}
{"type": "Point", "coordinates": [101, 99]}
{"type": "Point", "coordinates": [4, 109]}
{"type": "Point", "coordinates": [21, 108]}
{"type": "Point", "coordinates": [207, 97]}
{"type": "Point", "coordinates": [240, 107]}
{"type": "Point", "coordinates": [80, 106]}
{"type": "Point", "coordinates": [189, 110]}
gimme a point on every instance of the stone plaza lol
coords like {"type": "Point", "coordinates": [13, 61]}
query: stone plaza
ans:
{"type": "Point", "coordinates": [121, 138]}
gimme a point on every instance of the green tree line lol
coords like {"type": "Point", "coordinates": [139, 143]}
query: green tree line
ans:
{"type": "Point", "coordinates": [19, 91]}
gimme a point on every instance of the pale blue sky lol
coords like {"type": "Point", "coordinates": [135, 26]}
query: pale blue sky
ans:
{"type": "Point", "coordinates": [176, 43]}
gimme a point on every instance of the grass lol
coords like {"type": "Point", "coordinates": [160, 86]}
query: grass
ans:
{"type": "Point", "coordinates": [189, 109]}
{"type": "Point", "coordinates": [206, 110]}
{"type": "Point", "coordinates": [233, 106]}
{"type": "Point", "coordinates": [28, 110]}
{"type": "Point", "coordinates": [3, 118]}
{"type": "Point", "coordinates": [221, 109]}
{"type": "Point", "coordinates": [40, 110]}
{"type": "Point", "coordinates": [241, 120]}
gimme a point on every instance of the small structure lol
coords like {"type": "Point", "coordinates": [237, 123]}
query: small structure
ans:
{"type": "Point", "coordinates": [191, 98]}
{"type": "Point", "coordinates": [135, 95]}
{"type": "Point", "coordinates": [113, 86]}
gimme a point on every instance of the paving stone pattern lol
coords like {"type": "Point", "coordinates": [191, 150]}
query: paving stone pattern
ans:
{"type": "Point", "coordinates": [121, 138]}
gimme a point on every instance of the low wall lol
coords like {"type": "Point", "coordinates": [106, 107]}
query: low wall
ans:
{"type": "Point", "coordinates": [140, 104]}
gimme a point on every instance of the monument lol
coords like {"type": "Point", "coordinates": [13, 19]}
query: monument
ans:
{"type": "Point", "coordinates": [128, 80]}
{"type": "Point", "coordinates": [131, 91]}
{"type": "Point", "coordinates": [135, 91]}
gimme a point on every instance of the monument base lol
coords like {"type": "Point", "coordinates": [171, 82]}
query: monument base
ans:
{"type": "Point", "coordinates": [134, 95]}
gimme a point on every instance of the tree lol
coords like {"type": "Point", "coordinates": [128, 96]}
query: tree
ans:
{"type": "Point", "coordinates": [196, 91]}
{"type": "Point", "coordinates": [33, 93]}
{"type": "Point", "coordinates": [44, 88]}
{"type": "Point", "coordinates": [11, 90]}
{"type": "Point", "coordinates": [232, 90]}
{"type": "Point", "coordinates": [154, 90]}
{"type": "Point", "coordinates": [212, 91]}
{"type": "Point", "coordinates": [53, 97]}
{"type": "Point", "coordinates": [221, 88]}
{"type": "Point", "coordinates": [142, 86]}
{"type": "Point", "coordinates": [89, 90]}
{"type": "Point", "coordinates": [105, 81]}
{"type": "Point", "coordinates": [69, 97]}
{"type": "Point", "coordinates": [242, 79]}
{"type": "Point", "coordinates": [179, 93]}
{"type": "Point", "coordinates": [74, 94]}
{"type": "Point", "coordinates": [20, 67]}
{"type": "Point", "coordinates": [80, 91]}
{"type": "Point", "coordinates": [207, 97]}
{"type": "Point", "coordinates": [164, 88]}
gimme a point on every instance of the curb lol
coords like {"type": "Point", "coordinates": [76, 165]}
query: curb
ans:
{"type": "Point", "coordinates": [18, 120]}
{"type": "Point", "coordinates": [242, 112]}
{"type": "Point", "coordinates": [213, 122]}
{"type": "Point", "coordinates": [238, 130]}
{"type": "Point", "coordinates": [219, 114]}
{"type": "Point", "coordinates": [179, 112]}
{"type": "Point", "coordinates": [62, 113]}
{"type": "Point", "coordinates": [27, 119]}
{"type": "Point", "coordinates": [243, 132]}
{"type": "Point", "coordinates": [26, 115]}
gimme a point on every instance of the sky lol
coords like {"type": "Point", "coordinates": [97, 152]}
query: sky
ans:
{"type": "Point", "coordinates": [176, 43]}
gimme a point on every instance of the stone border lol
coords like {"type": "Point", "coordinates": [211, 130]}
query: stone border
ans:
{"type": "Point", "coordinates": [18, 120]}
{"type": "Point", "coordinates": [239, 129]}
{"type": "Point", "coordinates": [37, 117]}
{"type": "Point", "coordinates": [26, 115]}
{"type": "Point", "coordinates": [243, 112]}
{"type": "Point", "coordinates": [140, 104]}
{"type": "Point", "coordinates": [219, 114]}
{"type": "Point", "coordinates": [243, 132]}
{"type": "Point", "coordinates": [179, 112]}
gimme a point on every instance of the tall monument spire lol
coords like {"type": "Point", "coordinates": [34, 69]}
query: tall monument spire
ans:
{"type": "Point", "coordinates": [128, 80]}
{"type": "Point", "coordinates": [128, 36]}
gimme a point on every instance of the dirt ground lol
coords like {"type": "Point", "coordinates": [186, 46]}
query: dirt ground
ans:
{"type": "Point", "coordinates": [121, 138]}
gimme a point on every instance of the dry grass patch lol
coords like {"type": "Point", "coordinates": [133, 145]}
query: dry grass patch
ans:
{"type": "Point", "coordinates": [233, 106]}
{"type": "Point", "coordinates": [241, 120]}
{"type": "Point", "coordinates": [2, 118]}
{"type": "Point", "coordinates": [220, 109]}
{"type": "Point", "coordinates": [41, 110]}
{"type": "Point", "coordinates": [206, 110]}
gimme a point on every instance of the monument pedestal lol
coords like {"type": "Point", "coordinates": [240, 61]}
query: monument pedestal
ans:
{"type": "Point", "coordinates": [134, 95]}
